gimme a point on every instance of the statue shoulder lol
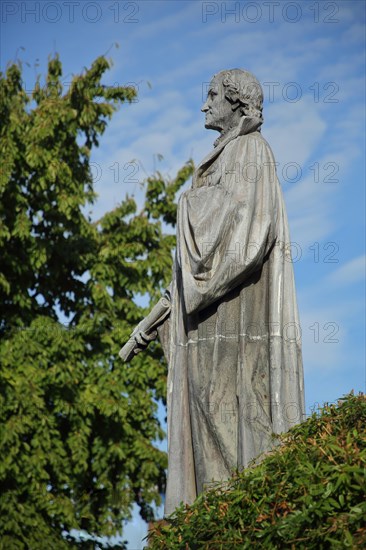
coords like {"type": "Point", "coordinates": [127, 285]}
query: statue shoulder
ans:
{"type": "Point", "coordinates": [252, 144]}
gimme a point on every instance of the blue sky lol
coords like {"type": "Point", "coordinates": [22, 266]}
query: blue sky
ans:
{"type": "Point", "coordinates": [309, 57]}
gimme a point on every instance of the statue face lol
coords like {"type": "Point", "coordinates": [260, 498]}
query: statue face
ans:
{"type": "Point", "coordinates": [219, 114]}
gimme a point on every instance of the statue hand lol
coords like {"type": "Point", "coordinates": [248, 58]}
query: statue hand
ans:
{"type": "Point", "coordinates": [142, 339]}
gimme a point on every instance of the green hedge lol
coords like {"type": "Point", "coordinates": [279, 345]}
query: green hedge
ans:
{"type": "Point", "coordinates": [308, 493]}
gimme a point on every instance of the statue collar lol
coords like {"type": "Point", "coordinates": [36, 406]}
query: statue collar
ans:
{"type": "Point", "coordinates": [247, 125]}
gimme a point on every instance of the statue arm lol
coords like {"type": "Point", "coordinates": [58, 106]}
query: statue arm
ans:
{"type": "Point", "coordinates": [147, 330]}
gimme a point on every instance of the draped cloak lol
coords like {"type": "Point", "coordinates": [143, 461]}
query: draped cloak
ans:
{"type": "Point", "coordinates": [233, 339]}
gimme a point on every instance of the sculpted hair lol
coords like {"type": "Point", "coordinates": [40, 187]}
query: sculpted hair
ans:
{"type": "Point", "coordinates": [241, 87]}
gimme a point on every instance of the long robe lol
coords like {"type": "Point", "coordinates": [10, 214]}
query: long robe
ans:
{"type": "Point", "coordinates": [235, 366]}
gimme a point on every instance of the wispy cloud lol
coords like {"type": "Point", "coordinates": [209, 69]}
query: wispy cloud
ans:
{"type": "Point", "coordinates": [350, 273]}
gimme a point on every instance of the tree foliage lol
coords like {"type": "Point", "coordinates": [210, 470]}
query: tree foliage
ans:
{"type": "Point", "coordinates": [77, 426]}
{"type": "Point", "coordinates": [308, 494]}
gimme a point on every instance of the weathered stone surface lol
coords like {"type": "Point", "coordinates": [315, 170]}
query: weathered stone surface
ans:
{"type": "Point", "coordinates": [233, 336]}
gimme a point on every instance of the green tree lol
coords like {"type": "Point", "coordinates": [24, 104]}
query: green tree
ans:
{"type": "Point", "coordinates": [77, 426]}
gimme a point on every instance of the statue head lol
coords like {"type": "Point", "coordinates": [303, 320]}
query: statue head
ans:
{"type": "Point", "coordinates": [232, 94]}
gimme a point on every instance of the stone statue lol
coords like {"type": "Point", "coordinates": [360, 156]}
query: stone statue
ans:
{"type": "Point", "coordinates": [229, 321]}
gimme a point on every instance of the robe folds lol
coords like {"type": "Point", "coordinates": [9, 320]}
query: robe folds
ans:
{"type": "Point", "coordinates": [234, 347]}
